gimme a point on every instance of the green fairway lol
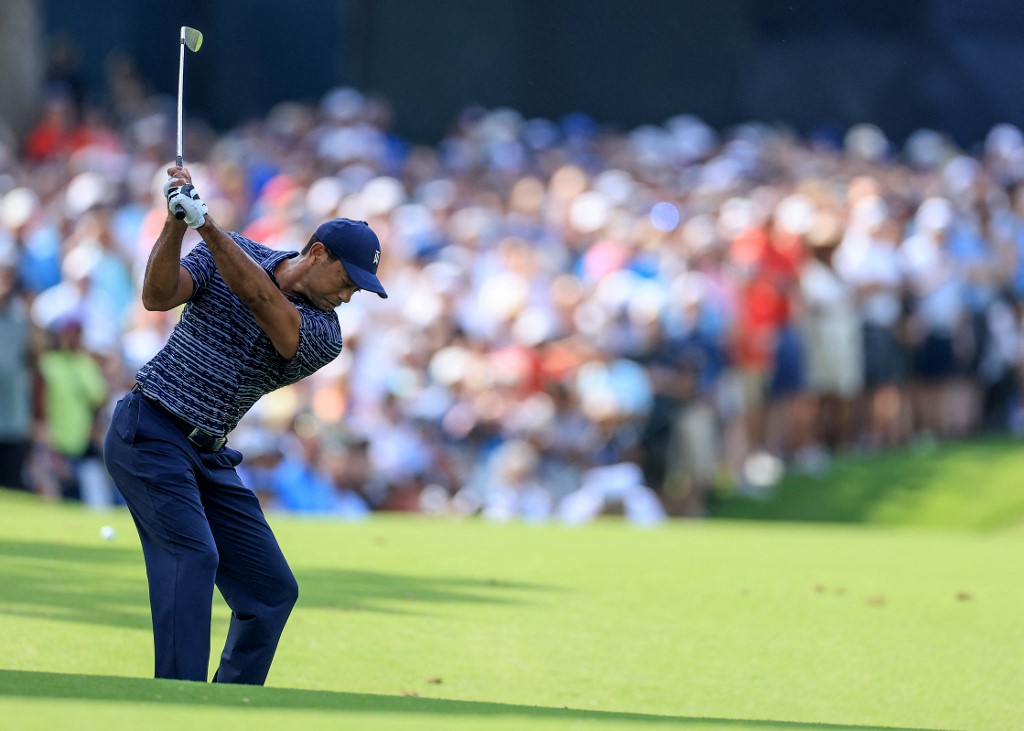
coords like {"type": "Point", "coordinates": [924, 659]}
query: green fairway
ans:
{"type": "Point", "coordinates": [973, 484]}
{"type": "Point", "coordinates": [412, 623]}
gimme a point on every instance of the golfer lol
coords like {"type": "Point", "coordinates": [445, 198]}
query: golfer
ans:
{"type": "Point", "coordinates": [255, 319]}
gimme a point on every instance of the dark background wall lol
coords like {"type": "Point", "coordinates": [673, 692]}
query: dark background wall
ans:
{"type": "Point", "coordinates": [902, 64]}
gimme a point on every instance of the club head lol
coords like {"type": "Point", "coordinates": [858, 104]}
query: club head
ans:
{"type": "Point", "coordinates": [192, 38]}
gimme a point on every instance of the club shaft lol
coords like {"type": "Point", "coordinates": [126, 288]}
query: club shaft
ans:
{"type": "Point", "coordinates": [181, 86]}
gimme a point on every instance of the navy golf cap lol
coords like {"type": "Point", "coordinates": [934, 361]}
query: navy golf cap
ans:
{"type": "Point", "coordinates": [355, 243]}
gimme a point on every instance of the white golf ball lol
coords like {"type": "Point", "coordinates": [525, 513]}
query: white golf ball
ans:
{"type": "Point", "coordinates": [108, 533]}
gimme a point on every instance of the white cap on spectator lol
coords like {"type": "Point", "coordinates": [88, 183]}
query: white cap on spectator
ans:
{"type": "Point", "coordinates": [960, 173]}
{"type": "Point", "coordinates": [867, 142]}
{"type": "Point", "coordinates": [342, 104]}
{"type": "Point", "coordinates": [795, 213]}
{"type": "Point", "coordinates": [692, 138]}
{"type": "Point", "coordinates": [17, 208]}
{"type": "Point", "coordinates": [323, 197]}
{"type": "Point", "coordinates": [382, 195]}
{"type": "Point", "coordinates": [85, 191]}
{"type": "Point", "coordinates": [470, 222]}
{"type": "Point", "coordinates": [1003, 140]}
{"type": "Point", "coordinates": [735, 216]}
{"type": "Point", "coordinates": [54, 303]}
{"type": "Point", "coordinates": [289, 119]}
{"type": "Point", "coordinates": [934, 214]}
{"type": "Point", "coordinates": [869, 213]}
{"type": "Point", "coordinates": [617, 185]}
{"type": "Point", "coordinates": [699, 234]}
{"type": "Point", "coordinates": [927, 148]}
{"type": "Point", "coordinates": [438, 194]}
{"type": "Point", "coordinates": [449, 365]}
{"type": "Point", "coordinates": [534, 325]}
{"type": "Point", "coordinates": [590, 212]}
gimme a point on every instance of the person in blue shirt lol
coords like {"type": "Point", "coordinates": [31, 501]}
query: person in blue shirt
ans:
{"type": "Point", "coordinates": [255, 319]}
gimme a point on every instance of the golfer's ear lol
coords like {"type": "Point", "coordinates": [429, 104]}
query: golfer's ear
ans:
{"type": "Point", "coordinates": [318, 250]}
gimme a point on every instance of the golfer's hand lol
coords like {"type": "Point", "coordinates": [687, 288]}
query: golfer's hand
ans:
{"type": "Point", "coordinates": [185, 198]}
{"type": "Point", "coordinates": [176, 177]}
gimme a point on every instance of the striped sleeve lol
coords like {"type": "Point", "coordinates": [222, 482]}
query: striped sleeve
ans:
{"type": "Point", "coordinates": [200, 264]}
{"type": "Point", "coordinates": [319, 344]}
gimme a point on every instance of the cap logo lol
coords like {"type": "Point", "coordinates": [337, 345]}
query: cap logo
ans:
{"type": "Point", "coordinates": [376, 258]}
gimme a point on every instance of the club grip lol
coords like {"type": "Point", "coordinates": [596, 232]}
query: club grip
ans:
{"type": "Point", "coordinates": [179, 212]}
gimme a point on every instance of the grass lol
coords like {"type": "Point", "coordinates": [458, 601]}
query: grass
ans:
{"type": "Point", "coordinates": [412, 623]}
{"type": "Point", "coordinates": [974, 485]}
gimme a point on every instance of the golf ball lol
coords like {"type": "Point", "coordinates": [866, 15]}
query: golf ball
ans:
{"type": "Point", "coordinates": [108, 533]}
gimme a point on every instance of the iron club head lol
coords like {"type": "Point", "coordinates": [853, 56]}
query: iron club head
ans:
{"type": "Point", "coordinates": [192, 38]}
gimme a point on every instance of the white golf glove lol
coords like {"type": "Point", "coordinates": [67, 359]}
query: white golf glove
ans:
{"type": "Point", "coordinates": [185, 198]}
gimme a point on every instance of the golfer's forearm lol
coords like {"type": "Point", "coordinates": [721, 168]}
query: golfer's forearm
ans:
{"type": "Point", "coordinates": [247, 279]}
{"type": "Point", "coordinates": [163, 269]}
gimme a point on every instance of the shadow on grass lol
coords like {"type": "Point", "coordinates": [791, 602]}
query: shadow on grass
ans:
{"type": "Point", "coordinates": [26, 684]}
{"type": "Point", "coordinates": [106, 585]}
{"type": "Point", "coordinates": [91, 584]}
{"type": "Point", "coordinates": [349, 590]}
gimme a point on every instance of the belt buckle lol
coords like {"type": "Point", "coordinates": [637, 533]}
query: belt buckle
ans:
{"type": "Point", "coordinates": [207, 441]}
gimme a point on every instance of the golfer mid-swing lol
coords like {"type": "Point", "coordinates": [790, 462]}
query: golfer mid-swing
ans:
{"type": "Point", "coordinates": [255, 319]}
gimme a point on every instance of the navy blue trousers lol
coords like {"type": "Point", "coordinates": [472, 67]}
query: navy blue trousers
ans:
{"type": "Point", "coordinates": [200, 527]}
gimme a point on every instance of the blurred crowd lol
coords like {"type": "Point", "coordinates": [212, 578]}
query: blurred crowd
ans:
{"type": "Point", "coordinates": [581, 320]}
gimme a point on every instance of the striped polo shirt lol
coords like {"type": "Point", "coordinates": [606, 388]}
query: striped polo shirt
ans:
{"type": "Point", "coordinates": [218, 362]}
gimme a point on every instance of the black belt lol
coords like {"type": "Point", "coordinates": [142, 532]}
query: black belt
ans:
{"type": "Point", "coordinates": [200, 439]}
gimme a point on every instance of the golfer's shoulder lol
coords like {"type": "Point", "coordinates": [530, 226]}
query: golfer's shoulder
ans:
{"type": "Point", "coordinates": [325, 322]}
{"type": "Point", "coordinates": [322, 330]}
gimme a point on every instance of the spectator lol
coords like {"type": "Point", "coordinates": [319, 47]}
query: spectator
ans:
{"type": "Point", "coordinates": [937, 321]}
{"type": "Point", "coordinates": [766, 343]}
{"type": "Point", "coordinates": [55, 135]}
{"type": "Point", "coordinates": [513, 488]}
{"type": "Point", "coordinates": [16, 370]}
{"type": "Point", "coordinates": [75, 390]}
{"type": "Point", "coordinates": [680, 435]}
{"type": "Point", "coordinates": [867, 259]}
{"type": "Point", "coordinates": [832, 331]}
{"type": "Point", "coordinates": [619, 485]}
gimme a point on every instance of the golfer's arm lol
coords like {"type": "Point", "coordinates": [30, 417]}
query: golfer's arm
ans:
{"type": "Point", "coordinates": [167, 283]}
{"type": "Point", "coordinates": [275, 315]}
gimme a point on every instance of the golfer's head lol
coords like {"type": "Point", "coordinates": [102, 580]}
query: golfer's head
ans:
{"type": "Point", "coordinates": [358, 248]}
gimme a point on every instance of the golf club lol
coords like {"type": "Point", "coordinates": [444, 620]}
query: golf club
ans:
{"type": "Point", "coordinates": [191, 39]}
